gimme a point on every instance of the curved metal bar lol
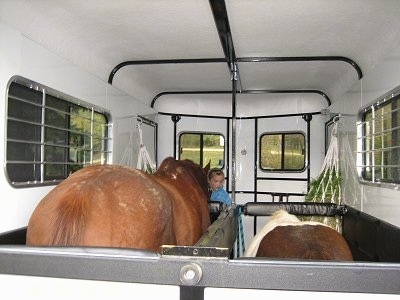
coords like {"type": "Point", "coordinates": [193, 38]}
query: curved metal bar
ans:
{"type": "Point", "coordinates": [304, 58]}
{"type": "Point", "coordinates": [303, 91]}
{"type": "Point", "coordinates": [241, 92]}
{"type": "Point", "coordinates": [240, 59]}
{"type": "Point", "coordinates": [160, 62]}
{"type": "Point", "coordinates": [153, 102]}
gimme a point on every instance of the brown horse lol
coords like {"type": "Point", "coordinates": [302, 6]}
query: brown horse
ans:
{"type": "Point", "coordinates": [286, 237]}
{"type": "Point", "coordinates": [117, 206]}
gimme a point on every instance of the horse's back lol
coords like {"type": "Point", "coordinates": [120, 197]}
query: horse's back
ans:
{"type": "Point", "coordinates": [285, 236]}
{"type": "Point", "coordinates": [104, 205]}
{"type": "Point", "coordinates": [314, 242]}
{"type": "Point", "coordinates": [117, 206]}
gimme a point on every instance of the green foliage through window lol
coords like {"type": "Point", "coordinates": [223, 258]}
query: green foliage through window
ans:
{"type": "Point", "coordinates": [49, 137]}
{"type": "Point", "coordinates": [282, 151]}
{"type": "Point", "coordinates": [380, 142]}
{"type": "Point", "coordinates": [202, 148]}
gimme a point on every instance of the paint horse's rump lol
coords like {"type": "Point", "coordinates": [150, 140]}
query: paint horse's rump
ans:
{"type": "Point", "coordinates": [116, 206]}
{"type": "Point", "coordinates": [286, 237]}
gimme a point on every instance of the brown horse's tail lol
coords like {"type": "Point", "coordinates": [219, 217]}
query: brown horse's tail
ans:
{"type": "Point", "coordinates": [70, 222]}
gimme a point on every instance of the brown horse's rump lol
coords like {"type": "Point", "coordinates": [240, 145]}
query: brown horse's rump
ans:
{"type": "Point", "coordinates": [116, 206]}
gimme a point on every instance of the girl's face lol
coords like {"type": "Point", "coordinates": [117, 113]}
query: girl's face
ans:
{"type": "Point", "coordinates": [216, 182]}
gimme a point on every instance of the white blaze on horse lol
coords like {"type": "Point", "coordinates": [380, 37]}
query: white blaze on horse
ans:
{"type": "Point", "coordinates": [286, 237]}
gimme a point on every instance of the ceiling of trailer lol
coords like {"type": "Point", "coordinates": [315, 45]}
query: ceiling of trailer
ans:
{"type": "Point", "coordinates": [188, 45]}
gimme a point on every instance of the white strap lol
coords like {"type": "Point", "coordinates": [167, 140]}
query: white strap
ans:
{"type": "Point", "coordinates": [144, 161]}
{"type": "Point", "coordinates": [127, 158]}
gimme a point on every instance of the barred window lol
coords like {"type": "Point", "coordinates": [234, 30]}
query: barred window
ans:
{"type": "Point", "coordinates": [379, 141]}
{"type": "Point", "coordinates": [51, 135]}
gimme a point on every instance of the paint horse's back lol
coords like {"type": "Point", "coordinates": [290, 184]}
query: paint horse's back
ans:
{"type": "Point", "coordinates": [286, 237]}
{"type": "Point", "coordinates": [116, 206]}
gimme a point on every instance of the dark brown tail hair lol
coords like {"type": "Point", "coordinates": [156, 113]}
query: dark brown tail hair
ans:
{"type": "Point", "coordinates": [70, 222]}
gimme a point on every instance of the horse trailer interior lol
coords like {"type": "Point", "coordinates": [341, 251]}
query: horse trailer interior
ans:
{"type": "Point", "coordinates": [270, 91]}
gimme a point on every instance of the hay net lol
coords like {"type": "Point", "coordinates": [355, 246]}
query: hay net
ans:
{"type": "Point", "coordinates": [326, 188]}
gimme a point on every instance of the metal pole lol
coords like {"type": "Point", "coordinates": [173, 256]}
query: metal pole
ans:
{"type": "Point", "coordinates": [233, 171]}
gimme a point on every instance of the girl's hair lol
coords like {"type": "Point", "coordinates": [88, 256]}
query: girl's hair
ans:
{"type": "Point", "coordinates": [215, 172]}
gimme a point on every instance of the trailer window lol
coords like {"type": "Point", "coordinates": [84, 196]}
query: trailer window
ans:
{"type": "Point", "coordinates": [50, 135]}
{"type": "Point", "coordinates": [282, 151]}
{"type": "Point", "coordinates": [202, 147]}
{"type": "Point", "coordinates": [379, 142]}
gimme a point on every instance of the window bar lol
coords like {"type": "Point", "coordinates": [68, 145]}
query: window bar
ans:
{"type": "Point", "coordinates": [91, 135]}
{"type": "Point", "coordinates": [42, 137]}
{"type": "Point", "coordinates": [373, 144]}
{"type": "Point", "coordinates": [382, 117]}
{"type": "Point", "coordinates": [103, 145]}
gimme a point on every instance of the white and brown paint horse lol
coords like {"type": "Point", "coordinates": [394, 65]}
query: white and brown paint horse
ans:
{"type": "Point", "coordinates": [285, 236]}
{"type": "Point", "coordinates": [116, 206]}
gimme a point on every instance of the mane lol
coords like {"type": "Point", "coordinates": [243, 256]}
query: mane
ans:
{"type": "Point", "coordinates": [199, 174]}
{"type": "Point", "coordinates": [170, 166]}
{"type": "Point", "coordinates": [282, 216]}
{"type": "Point", "coordinates": [187, 181]}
